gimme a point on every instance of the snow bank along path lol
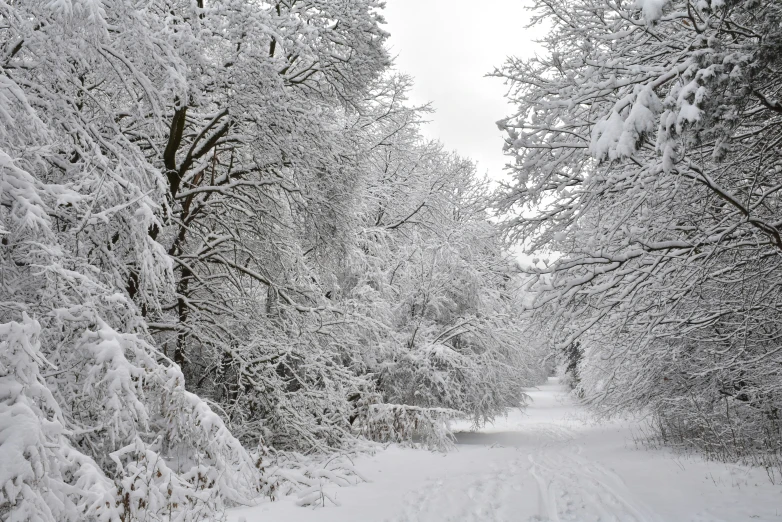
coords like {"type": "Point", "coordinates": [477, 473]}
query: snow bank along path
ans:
{"type": "Point", "coordinates": [548, 463]}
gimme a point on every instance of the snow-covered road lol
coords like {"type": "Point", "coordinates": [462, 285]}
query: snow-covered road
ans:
{"type": "Point", "coordinates": [548, 463]}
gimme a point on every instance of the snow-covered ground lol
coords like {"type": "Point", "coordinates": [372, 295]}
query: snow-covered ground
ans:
{"type": "Point", "coordinates": [545, 464]}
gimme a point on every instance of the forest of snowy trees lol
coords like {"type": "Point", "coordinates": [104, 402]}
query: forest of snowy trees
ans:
{"type": "Point", "coordinates": [227, 253]}
{"type": "Point", "coordinates": [648, 174]}
{"type": "Point", "coordinates": [226, 245]}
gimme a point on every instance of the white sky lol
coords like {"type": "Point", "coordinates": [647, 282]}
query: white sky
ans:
{"type": "Point", "coordinates": [448, 47]}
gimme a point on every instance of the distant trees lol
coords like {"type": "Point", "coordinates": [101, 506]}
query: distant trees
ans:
{"type": "Point", "coordinates": [219, 230]}
{"type": "Point", "coordinates": [646, 154]}
{"type": "Point", "coordinates": [433, 266]}
{"type": "Point", "coordinates": [571, 356]}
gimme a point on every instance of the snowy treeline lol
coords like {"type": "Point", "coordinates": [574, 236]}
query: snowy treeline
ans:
{"type": "Point", "coordinates": [220, 232]}
{"type": "Point", "coordinates": [647, 158]}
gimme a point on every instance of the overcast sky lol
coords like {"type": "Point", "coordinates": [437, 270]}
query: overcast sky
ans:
{"type": "Point", "coordinates": [449, 46]}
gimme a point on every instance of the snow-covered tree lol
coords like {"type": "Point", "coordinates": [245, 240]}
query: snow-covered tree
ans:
{"type": "Point", "coordinates": [96, 422]}
{"type": "Point", "coordinates": [260, 170]}
{"type": "Point", "coordinates": [188, 191]}
{"type": "Point", "coordinates": [431, 267]}
{"type": "Point", "coordinates": [126, 134]}
{"type": "Point", "coordinates": [646, 163]}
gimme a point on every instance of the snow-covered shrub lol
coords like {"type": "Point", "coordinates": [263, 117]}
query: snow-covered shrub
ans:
{"type": "Point", "coordinates": [403, 424]}
{"type": "Point", "coordinates": [94, 459]}
{"type": "Point", "coordinates": [307, 477]}
{"type": "Point", "coordinates": [290, 391]}
{"type": "Point", "coordinates": [43, 477]}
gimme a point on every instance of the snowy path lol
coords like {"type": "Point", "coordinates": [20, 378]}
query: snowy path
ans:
{"type": "Point", "coordinates": [545, 464]}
